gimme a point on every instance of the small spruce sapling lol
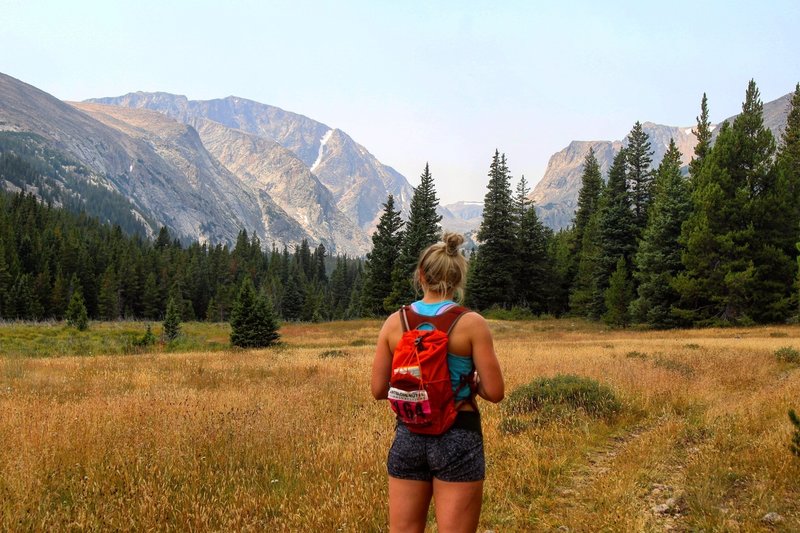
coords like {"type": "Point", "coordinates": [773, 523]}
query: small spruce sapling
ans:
{"type": "Point", "coordinates": [172, 321]}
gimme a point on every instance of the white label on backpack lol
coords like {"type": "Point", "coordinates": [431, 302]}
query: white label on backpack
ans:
{"type": "Point", "coordinates": [408, 396]}
{"type": "Point", "coordinates": [413, 370]}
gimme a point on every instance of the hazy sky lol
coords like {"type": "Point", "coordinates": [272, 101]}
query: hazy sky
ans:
{"type": "Point", "coordinates": [440, 81]}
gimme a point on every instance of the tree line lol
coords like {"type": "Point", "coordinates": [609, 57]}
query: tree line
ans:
{"type": "Point", "coordinates": [48, 254]}
{"type": "Point", "coordinates": [659, 246]}
{"type": "Point", "coordinates": [717, 244]}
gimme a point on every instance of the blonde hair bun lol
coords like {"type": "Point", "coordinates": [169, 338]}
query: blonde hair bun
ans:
{"type": "Point", "coordinates": [452, 242]}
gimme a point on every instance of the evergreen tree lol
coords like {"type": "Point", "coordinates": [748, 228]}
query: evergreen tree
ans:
{"type": "Point", "coordinates": [658, 259]}
{"type": "Point", "coordinates": [533, 275]}
{"type": "Point", "coordinates": [76, 314]}
{"type": "Point", "coordinates": [735, 269]}
{"type": "Point", "coordinates": [703, 134]}
{"type": "Point", "coordinates": [293, 298]}
{"type": "Point", "coordinates": [172, 320]}
{"type": "Point", "coordinates": [422, 230]}
{"type": "Point", "coordinates": [638, 157]}
{"type": "Point", "coordinates": [492, 277]}
{"type": "Point", "coordinates": [588, 197]}
{"type": "Point", "coordinates": [584, 286]}
{"type": "Point", "coordinates": [108, 300]}
{"type": "Point", "coordinates": [788, 169]}
{"type": "Point", "coordinates": [151, 305]}
{"type": "Point", "coordinates": [618, 297]}
{"type": "Point", "coordinates": [253, 320]}
{"type": "Point", "coordinates": [58, 299]}
{"type": "Point", "coordinates": [616, 232]}
{"type": "Point", "coordinates": [386, 242]}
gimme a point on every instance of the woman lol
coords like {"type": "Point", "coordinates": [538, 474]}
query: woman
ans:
{"type": "Point", "coordinates": [449, 467]}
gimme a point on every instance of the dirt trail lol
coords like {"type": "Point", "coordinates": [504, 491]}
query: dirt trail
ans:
{"type": "Point", "coordinates": [659, 505]}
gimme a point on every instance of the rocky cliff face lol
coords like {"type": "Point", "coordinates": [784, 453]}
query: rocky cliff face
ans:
{"type": "Point", "coordinates": [556, 194]}
{"type": "Point", "coordinates": [358, 181]}
{"type": "Point", "coordinates": [168, 185]}
{"type": "Point", "coordinates": [274, 173]}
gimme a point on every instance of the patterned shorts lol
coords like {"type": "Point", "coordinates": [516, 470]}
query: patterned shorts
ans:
{"type": "Point", "coordinates": [456, 455]}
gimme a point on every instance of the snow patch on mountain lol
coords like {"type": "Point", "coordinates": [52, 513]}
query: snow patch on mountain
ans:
{"type": "Point", "coordinates": [325, 137]}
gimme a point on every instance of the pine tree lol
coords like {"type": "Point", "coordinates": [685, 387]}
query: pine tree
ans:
{"type": "Point", "coordinates": [585, 251]}
{"type": "Point", "coordinates": [422, 230]}
{"type": "Point", "coordinates": [172, 320]}
{"type": "Point", "coordinates": [618, 297]}
{"type": "Point", "coordinates": [735, 271]}
{"type": "Point", "coordinates": [788, 169]}
{"type": "Point", "coordinates": [588, 197]}
{"type": "Point", "coordinates": [638, 157]}
{"type": "Point", "coordinates": [76, 314]}
{"type": "Point", "coordinates": [253, 320]}
{"type": "Point", "coordinates": [492, 276]}
{"type": "Point", "coordinates": [703, 134]}
{"type": "Point", "coordinates": [386, 242]}
{"type": "Point", "coordinates": [616, 232]}
{"type": "Point", "coordinates": [293, 297]}
{"type": "Point", "coordinates": [658, 259]}
{"type": "Point", "coordinates": [151, 299]}
{"type": "Point", "coordinates": [58, 298]}
{"type": "Point", "coordinates": [533, 272]}
{"type": "Point", "coordinates": [108, 299]}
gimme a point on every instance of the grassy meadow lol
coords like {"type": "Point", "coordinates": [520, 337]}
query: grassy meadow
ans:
{"type": "Point", "coordinates": [97, 435]}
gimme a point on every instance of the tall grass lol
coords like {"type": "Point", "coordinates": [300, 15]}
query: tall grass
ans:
{"type": "Point", "coordinates": [288, 438]}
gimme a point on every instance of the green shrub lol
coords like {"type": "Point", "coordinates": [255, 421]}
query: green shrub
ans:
{"type": "Point", "coordinates": [562, 394]}
{"type": "Point", "coordinates": [673, 366]}
{"type": "Point", "coordinates": [361, 342]}
{"type": "Point", "coordinates": [148, 339]}
{"type": "Point", "coordinates": [788, 354]}
{"type": "Point", "coordinates": [795, 445]}
{"type": "Point", "coordinates": [327, 354]}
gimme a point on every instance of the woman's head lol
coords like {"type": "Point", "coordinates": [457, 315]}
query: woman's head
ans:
{"type": "Point", "coordinates": [441, 267]}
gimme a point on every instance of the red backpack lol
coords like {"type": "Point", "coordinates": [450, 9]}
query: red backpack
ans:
{"type": "Point", "coordinates": [420, 391]}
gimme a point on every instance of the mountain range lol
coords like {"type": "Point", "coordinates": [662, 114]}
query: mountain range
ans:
{"type": "Point", "coordinates": [207, 169]}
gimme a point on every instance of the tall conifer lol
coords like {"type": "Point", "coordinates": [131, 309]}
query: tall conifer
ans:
{"type": "Point", "coordinates": [638, 158]}
{"type": "Point", "coordinates": [658, 259]}
{"type": "Point", "coordinates": [617, 231]}
{"type": "Point", "coordinates": [492, 276]}
{"type": "Point", "coordinates": [422, 229]}
{"type": "Point", "coordinates": [386, 241]}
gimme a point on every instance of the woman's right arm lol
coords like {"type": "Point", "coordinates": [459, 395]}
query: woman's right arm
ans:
{"type": "Point", "coordinates": [490, 385]}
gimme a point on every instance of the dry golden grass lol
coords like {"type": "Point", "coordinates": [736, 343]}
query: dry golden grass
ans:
{"type": "Point", "coordinates": [288, 439]}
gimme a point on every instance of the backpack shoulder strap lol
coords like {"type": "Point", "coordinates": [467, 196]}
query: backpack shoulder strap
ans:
{"type": "Point", "coordinates": [404, 317]}
{"type": "Point", "coordinates": [444, 322]}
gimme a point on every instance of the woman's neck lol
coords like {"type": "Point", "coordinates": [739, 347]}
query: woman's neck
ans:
{"type": "Point", "coordinates": [430, 297]}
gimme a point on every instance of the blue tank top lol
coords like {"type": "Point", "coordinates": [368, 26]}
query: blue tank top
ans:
{"type": "Point", "coordinates": [459, 365]}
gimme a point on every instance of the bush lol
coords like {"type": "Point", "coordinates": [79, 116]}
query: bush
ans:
{"type": "Point", "coordinates": [788, 354]}
{"type": "Point", "coordinates": [148, 339]}
{"type": "Point", "coordinates": [564, 393]}
{"type": "Point", "coordinates": [328, 354]}
{"type": "Point", "coordinates": [795, 445]}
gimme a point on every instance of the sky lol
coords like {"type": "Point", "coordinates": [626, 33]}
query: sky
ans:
{"type": "Point", "coordinates": [443, 82]}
